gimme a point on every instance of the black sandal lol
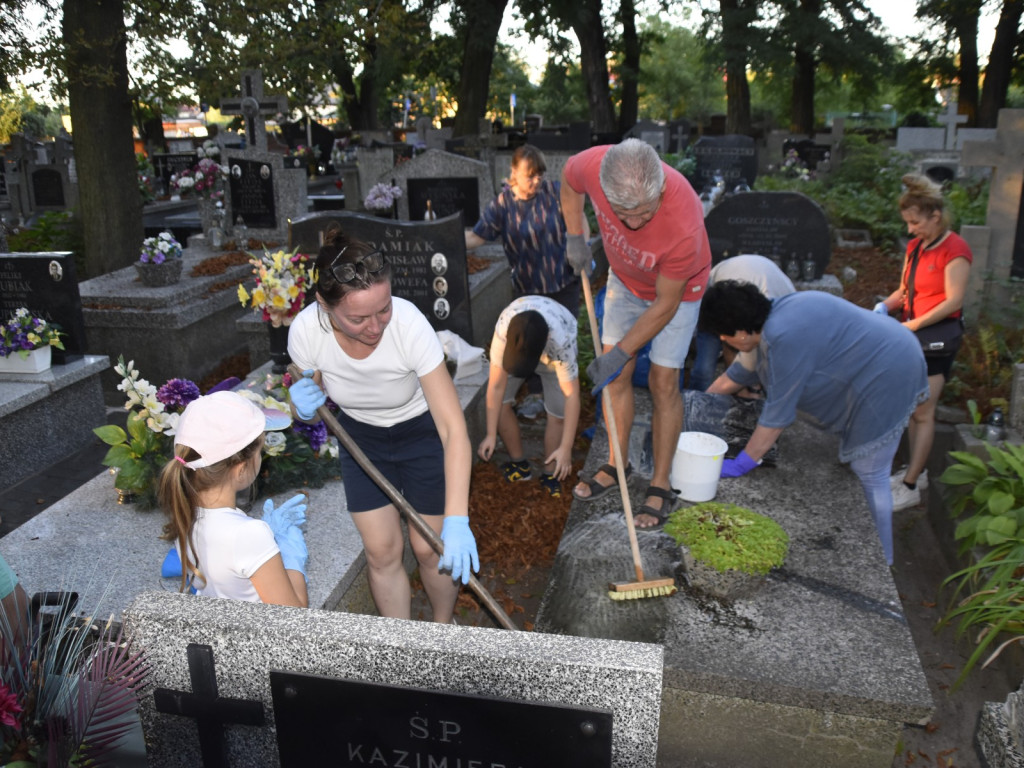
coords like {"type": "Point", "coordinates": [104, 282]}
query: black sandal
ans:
{"type": "Point", "coordinates": [661, 515]}
{"type": "Point", "coordinates": [599, 491]}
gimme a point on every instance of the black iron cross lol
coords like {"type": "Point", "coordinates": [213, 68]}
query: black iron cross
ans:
{"type": "Point", "coordinates": [210, 711]}
{"type": "Point", "coordinates": [253, 106]}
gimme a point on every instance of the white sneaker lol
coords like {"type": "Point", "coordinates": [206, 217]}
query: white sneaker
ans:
{"type": "Point", "coordinates": [904, 498]}
{"type": "Point", "coordinates": [897, 479]}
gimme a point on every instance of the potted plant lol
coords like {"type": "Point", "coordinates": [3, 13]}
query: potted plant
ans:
{"type": "Point", "coordinates": [66, 686]}
{"type": "Point", "coordinates": [159, 261]}
{"type": "Point", "coordinates": [25, 342]}
{"type": "Point", "coordinates": [727, 550]}
{"type": "Point", "coordinates": [282, 282]}
{"type": "Point", "coordinates": [381, 199]}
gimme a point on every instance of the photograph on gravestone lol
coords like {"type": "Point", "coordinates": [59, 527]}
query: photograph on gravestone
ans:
{"type": "Point", "coordinates": [1017, 265]}
{"type": "Point", "coordinates": [418, 251]}
{"type": "Point", "coordinates": [47, 188]}
{"type": "Point", "coordinates": [786, 225]}
{"type": "Point", "coordinates": [446, 196]}
{"type": "Point", "coordinates": [734, 157]}
{"type": "Point", "coordinates": [377, 724]}
{"type": "Point", "coordinates": [251, 186]}
{"type": "Point", "coordinates": [46, 285]}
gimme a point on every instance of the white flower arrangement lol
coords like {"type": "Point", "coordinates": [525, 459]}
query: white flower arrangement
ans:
{"type": "Point", "coordinates": [157, 250]}
{"type": "Point", "coordinates": [382, 197]}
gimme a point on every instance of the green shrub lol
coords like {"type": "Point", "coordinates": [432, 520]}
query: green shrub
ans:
{"type": "Point", "coordinates": [52, 231]}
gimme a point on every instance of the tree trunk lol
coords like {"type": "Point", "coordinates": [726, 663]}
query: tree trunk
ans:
{"type": "Point", "coordinates": [1000, 64]}
{"type": "Point", "coordinates": [735, 20]}
{"type": "Point", "coordinates": [593, 61]}
{"type": "Point", "coordinates": [967, 94]}
{"type": "Point", "coordinates": [629, 72]}
{"type": "Point", "coordinates": [802, 105]}
{"type": "Point", "coordinates": [481, 36]}
{"type": "Point", "coordinates": [96, 67]}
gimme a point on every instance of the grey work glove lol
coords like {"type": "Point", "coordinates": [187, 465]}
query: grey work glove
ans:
{"type": "Point", "coordinates": [577, 253]}
{"type": "Point", "coordinates": [607, 367]}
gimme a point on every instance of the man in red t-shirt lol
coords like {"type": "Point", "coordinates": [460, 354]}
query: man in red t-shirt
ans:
{"type": "Point", "coordinates": [652, 225]}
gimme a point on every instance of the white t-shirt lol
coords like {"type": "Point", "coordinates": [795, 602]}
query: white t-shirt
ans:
{"type": "Point", "coordinates": [384, 388]}
{"type": "Point", "coordinates": [754, 269]}
{"type": "Point", "coordinates": [559, 351]}
{"type": "Point", "coordinates": [231, 547]}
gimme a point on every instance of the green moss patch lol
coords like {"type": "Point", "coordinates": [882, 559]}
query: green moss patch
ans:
{"type": "Point", "coordinates": [728, 537]}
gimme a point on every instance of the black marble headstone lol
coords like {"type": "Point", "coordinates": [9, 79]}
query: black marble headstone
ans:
{"type": "Point", "coordinates": [46, 285]}
{"type": "Point", "coordinates": [375, 724]}
{"type": "Point", "coordinates": [169, 164]}
{"type": "Point", "coordinates": [678, 135]}
{"type": "Point", "coordinates": [783, 224]}
{"type": "Point", "coordinates": [447, 195]}
{"type": "Point", "coordinates": [251, 186]}
{"type": "Point", "coordinates": [1017, 265]}
{"type": "Point", "coordinates": [47, 188]}
{"type": "Point", "coordinates": [419, 253]}
{"type": "Point", "coordinates": [733, 156]}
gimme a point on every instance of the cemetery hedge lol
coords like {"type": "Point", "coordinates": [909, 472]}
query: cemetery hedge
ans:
{"type": "Point", "coordinates": [52, 231]}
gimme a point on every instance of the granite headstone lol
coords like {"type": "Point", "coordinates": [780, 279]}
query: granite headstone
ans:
{"type": "Point", "coordinates": [733, 157]}
{"type": "Point", "coordinates": [168, 164]}
{"type": "Point", "coordinates": [784, 226]}
{"type": "Point", "coordinates": [420, 252]}
{"type": "Point", "coordinates": [251, 190]}
{"type": "Point", "coordinates": [46, 285]}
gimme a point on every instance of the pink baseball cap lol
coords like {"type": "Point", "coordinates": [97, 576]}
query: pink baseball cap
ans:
{"type": "Point", "coordinates": [219, 425]}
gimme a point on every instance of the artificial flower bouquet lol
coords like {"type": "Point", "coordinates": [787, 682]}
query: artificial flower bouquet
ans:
{"type": "Point", "coordinates": [24, 332]}
{"type": "Point", "coordinates": [282, 282]}
{"type": "Point", "coordinates": [382, 197]}
{"type": "Point", "coordinates": [204, 179]}
{"type": "Point", "coordinates": [157, 250]}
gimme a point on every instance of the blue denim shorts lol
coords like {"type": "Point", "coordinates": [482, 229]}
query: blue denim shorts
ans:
{"type": "Point", "coordinates": [621, 311]}
{"type": "Point", "coordinates": [410, 455]}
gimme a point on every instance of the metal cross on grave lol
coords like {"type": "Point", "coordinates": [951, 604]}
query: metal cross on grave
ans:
{"type": "Point", "coordinates": [253, 106]}
{"type": "Point", "coordinates": [211, 711]}
{"type": "Point", "coordinates": [951, 119]}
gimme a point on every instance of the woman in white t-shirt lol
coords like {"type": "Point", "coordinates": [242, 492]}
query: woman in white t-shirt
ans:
{"type": "Point", "coordinates": [378, 358]}
{"type": "Point", "coordinates": [226, 553]}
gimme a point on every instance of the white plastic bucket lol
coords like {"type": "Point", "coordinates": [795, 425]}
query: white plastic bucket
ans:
{"type": "Point", "coordinates": [697, 465]}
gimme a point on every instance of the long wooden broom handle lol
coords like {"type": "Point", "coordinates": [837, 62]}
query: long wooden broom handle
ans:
{"type": "Point", "coordinates": [613, 431]}
{"type": "Point", "coordinates": [411, 515]}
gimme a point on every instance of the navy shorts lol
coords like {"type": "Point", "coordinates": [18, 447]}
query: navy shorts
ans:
{"type": "Point", "coordinates": [409, 455]}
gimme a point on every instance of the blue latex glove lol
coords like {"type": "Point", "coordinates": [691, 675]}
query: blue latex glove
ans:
{"type": "Point", "coordinates": [306, 396]}
{"type": "Point", "coordinates": [294, 552]}
{"type": "Point", "coordinates": [881, 309]}
{"type": "Point", "coordinates": [739, 466]}
{"type": "Point", "coordinates": [171, 567]}
{"type": "Point", "coordinates": [607, 367]}
{"type": "Point", "coordinates": [459, 548]}
{"type": "Point", "coordinates": [292, 512]}
{"type": "Point", "coordinates": [578, 253]}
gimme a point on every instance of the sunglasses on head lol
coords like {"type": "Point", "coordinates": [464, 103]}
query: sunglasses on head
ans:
{"type": "Point", "coordinates": [371, 263]}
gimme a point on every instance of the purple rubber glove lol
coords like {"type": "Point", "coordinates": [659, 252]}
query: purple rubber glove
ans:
{"type": "Point", "coordinates": [280, 519]}
{"type": "Point", "coordinates": [459, 548]}
{"type": "Point", "coordinates": [606, 367]}
{"type": "Point", "coordinates": [739, 466]}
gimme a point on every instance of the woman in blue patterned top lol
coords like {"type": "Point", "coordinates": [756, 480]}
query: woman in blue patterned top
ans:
{"type": "Point", "coordinates": [527, 216]}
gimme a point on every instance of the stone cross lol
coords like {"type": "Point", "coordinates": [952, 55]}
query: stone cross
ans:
{"type": "Point", "coordinates": [951, 119]}
{"type": "Point", "coordinates": [681, 136]}
{"type": "Point", "coordinates": [1005, 215]}
{"type": "Point", "coordinates": [211, 711]}
{"type": "Point", "coordinates": [253, 106]}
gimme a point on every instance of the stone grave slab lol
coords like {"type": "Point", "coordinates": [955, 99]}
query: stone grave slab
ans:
{"type": "Point", "coordinates": [734, 157]}
{"type": "Point", "coordinates": [46, 284]}
{"type": "Point", "coordinates": [428, 260]}
{"type": "Point", "coordinates": [817, 668]}
{"type": "Point", "coordinates": [263, 193]}
{"type": "Point", "coordinates": [920, 139]}
{"type": "Point", "coordinates": [679, 135]}
{"type": "Point", "coordinates": [650, 132]}
{"type": "Point", "coordinates": [229, 656]}
{"type": "Point", "coordinates": [786, 225]}
{"type": "Point", "coordinates": [450, 182]}
{"type": "Point", "coordinates": [571, 138]}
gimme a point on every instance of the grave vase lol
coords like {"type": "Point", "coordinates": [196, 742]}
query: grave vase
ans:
{"type": "Point", "coordinates": [159, 275]}
{"type": "Point", "coordinates": [38, 360]}
{"type": "Point", "coordinates": [207, 214]}
{"type": "Point", "coordinates": [279, 347]}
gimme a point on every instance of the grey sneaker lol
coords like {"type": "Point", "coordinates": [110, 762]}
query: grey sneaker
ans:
{"type": "Point", "coordinates": [531, 407]}
{"type": "Point", "coordinates": [897, 479]}
{"type": "Point", "coordinates": [904, 498]}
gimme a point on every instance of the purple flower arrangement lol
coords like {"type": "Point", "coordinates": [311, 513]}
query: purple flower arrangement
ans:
{"type": "Point", "coordinates": [157, 250]}
{"type": "Point", "coordinates": [25, 332]}
{"type": "Point", "coordinates": [382, 197]}
{"type": "Point", "coordinates": [177, 393]}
